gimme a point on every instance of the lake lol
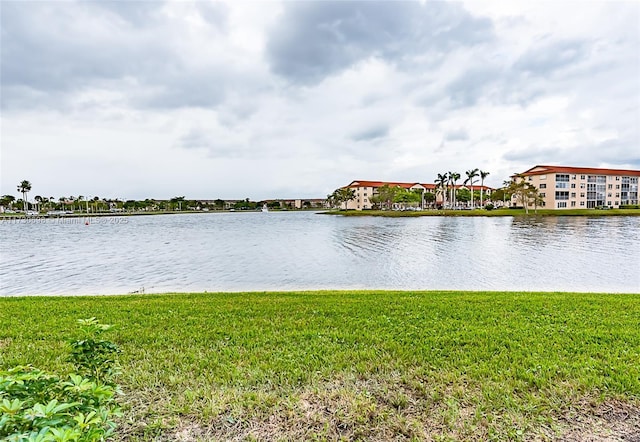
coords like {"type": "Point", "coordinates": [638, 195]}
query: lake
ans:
{"type": "Point", "coordinates": [305, 251]}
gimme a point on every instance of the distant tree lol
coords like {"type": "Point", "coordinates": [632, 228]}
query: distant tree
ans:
{"type": "Point", "coordinates": [343, 195]}
{"type": "Point", "coordinates": [406, 196]}
{"type": "Point", "coordinates": [24, 187]}
{"type": "Point", "coordinates": [463, 195]}
{"type": "Point", "coordinates": [177, 200]}
{"type": "Point", "coordinates": [219, 204]}
{"type": "Point", "coordinates": [429, 198]}
{"type": "Point", "coordinates": [471, 175]}
{"type": "Point", "coordinates": [7, 200]}
{"type": "Point", "coordinates": [441, 186]}
{"type": "Point", "coordinates": [388, 194]}
{"type": "Point", "coordinates": [38, 199]}
{"type": "Point", "coordinates": [524, 193]}
{"type": "Point", "coordinates": [483, 175]}
{"type": "Point", "coordinates": [453, 178]}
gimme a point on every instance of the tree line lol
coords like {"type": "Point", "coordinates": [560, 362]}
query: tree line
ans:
{"type": "Point", "coordinates": [96, 204]}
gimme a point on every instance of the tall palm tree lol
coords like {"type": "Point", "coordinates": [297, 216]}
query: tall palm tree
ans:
{"type": "Point", "coordinates": [505, 187]}
{"type": "Point", "coordinates": [39, 200]}
{"type": "Point", "coordinates": [24, 187]}
{"type": "Point", "coordinates": [441, 187]}
{"type": "Point", "coordinates": [453, 178]}
{"type": "Point", "coordinates": [483, 175]}
{"type": "Point", "coordinates": [471, 174]}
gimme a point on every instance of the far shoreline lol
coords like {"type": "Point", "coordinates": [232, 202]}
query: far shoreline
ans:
{"type": "Point", "coordinates": [487, 213]}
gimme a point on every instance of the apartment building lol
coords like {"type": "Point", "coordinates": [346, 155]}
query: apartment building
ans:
{"type": "Point", "coordinates": [365, 189]}
{"type": "Point", "coordinates": [564, 187]}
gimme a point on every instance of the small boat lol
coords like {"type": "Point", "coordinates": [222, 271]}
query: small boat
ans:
{"type": "Point", "coordinates": [265, 208]}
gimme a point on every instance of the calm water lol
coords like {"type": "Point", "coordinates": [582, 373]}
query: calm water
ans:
{"type": "Point", "coordinates": [286, 251]}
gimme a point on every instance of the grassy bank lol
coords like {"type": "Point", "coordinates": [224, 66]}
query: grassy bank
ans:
{"type": "Point", "coordinates": [482, 212]}
{"type": "Point", "coordinates": [354, 365]}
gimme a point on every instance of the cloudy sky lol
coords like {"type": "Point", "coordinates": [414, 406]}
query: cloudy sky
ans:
{"type": "Point", "coordinates": [136, 99]}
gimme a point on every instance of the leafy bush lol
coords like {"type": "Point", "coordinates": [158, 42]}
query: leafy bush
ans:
{"type": "Point", "coordinates": [39, 407]}
{"type": "Point", "coordinates": [489, 206]}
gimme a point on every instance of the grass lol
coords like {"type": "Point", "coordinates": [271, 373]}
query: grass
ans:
{"type": "Point", "coordinates": [482, 212]}
{"type": "Point", "coordinates": [349, 365]}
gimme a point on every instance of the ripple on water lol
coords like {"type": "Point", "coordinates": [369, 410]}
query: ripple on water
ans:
{"type": "Point", "coordinates": [255, 251]}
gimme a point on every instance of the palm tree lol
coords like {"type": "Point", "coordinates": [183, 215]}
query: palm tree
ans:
{"type": "Point", "coordinates": [483, 175]}
{"type": "Point", "coordinates": [471, 174]}
{"type": "Point", "coordinates": [453, 178]}
{"type": "Point", "coordinates": [441, 187]}
{"type": "Point", "coordinates": [38, 199]}
{"type": "Point", "coordinates": [505, 187]}
{"type": "Point", "coordinates": [24, 187]}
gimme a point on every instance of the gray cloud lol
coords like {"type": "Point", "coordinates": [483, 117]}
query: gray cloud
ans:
{"type": "Point", "coordinates": [313, 40]}
{"type": "Point", "coordinates": [550, 56]}
{"type": "Point", "coordinates": [109, 45]}
{"type": "Point", "coordinates": [371, 133]}
{"type": "Point", "coordinates": [612, 152]}
{"type": "Point", "coordinates": [457, 135]}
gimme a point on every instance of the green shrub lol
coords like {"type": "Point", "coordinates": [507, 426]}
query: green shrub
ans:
{"type": "Point", "coordinates": [39, 407]}
{"type": "Point", "coordinates": [489, 206]}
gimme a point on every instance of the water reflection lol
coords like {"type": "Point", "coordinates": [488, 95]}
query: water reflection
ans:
{"type": "Point", "coordinates": [275, 251]}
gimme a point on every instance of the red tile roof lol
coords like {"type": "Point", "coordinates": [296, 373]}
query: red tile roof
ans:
{"type": "Point", "coordinates": [541, 170]}
{"type": "Point", "coordinates": [364, 183]}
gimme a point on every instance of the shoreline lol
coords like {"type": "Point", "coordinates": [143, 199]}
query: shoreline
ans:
{"type": "Point", "coordinates": [311, 292]}
{"type": "Point", "coordinates": [487, 213]}
{"type": "Point", "coordinates": [22, 217]}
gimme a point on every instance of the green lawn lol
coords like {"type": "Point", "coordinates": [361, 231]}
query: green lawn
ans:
{"type": "Point", "coordinates": [482, 212]}
{"type": "Point", "coordinates": [350, 365]}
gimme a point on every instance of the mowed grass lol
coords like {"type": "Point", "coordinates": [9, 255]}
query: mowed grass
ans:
{"type": "Point", "coordinates": [349, 365]}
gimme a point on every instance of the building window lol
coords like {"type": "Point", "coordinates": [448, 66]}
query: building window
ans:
{"type": "Point", "coordinates": [543, 186]}
{"type": "Point", "coordinates": [617, 186]}
{"type": "Point", "coordinates": [617, 203]}
{"type": "Point", "coordinates": [582, 203]}
{"type": "Point", "coordinates": [617, 178]}
{"type": "Point", "coordinates": [582, 177]}
{"type": "Point", "coordinates": [542, 195]}
{"type": "Point", "coordinates": [608, 203]}
{"type": "Point", "coordinates": [573, 203]}
{"type": "Point", "coordinates": [617, 195]}
{"type": "Point", "coordinates": [573, 194]}
{"type": "Point", "coordinates": [543, 177]}
{"type": "Point", "coordinates": [582, 185]}
{"type": "Point", "coordinates": [609, 186]}
{"type": "Point", "coordinates": [562, 195]}
{"type": "Point", "coordinates": [573, 185]}
{"type": "Point", "coordinates": [562, 204]}
{"type": "Point", "coordinates": [581, 194]}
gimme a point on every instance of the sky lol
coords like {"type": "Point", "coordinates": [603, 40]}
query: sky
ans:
{"type": "Point", "coordinates": [259, 100]}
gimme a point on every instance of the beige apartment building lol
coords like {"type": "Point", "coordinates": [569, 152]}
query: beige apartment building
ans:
{"type": "Point", "coordinates": [365, 189]}
{"type": "Point", "coordinates": [564, 187]}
